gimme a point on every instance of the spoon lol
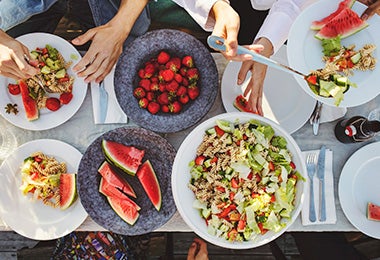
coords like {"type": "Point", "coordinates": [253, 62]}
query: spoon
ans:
{"type": "Point", "coordinates": [217, 43]}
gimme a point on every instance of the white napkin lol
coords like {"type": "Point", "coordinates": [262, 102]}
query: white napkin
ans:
{"type": "Point", "coordinates": [330, 113]}
{"type": "Point", "coordinates": [115, 114]}
{"type": "Point", "coordinates": [329, 189]}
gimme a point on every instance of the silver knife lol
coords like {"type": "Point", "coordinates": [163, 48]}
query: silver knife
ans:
{"type": "Point", "coordinates": [317, 118]}
{"type": "Point", "coordinates": [321, 177]}
{"type": "Point", "coordinates": [103, 102]}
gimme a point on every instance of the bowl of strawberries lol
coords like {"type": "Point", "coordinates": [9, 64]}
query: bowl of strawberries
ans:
{"type": "Point", "coordinates": [166, 81]}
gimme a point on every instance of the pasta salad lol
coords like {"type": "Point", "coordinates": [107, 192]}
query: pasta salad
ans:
{"type": "Point", "coordinates": [244, 180]}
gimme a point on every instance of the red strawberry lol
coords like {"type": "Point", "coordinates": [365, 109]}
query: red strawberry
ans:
{"type": "Point", "coordinates": [162, 86]}
{"type": "Point", "coordinates": [165, 108]}
{"type": "Point", "coordinates": [188, 61]}
{"type": "Point", "coordinates": [192, 74]}
{"type": "Point", "coordinates": [174, 64]}
{"type": "Point", "coordinates": [175, 107]}
{"type": "Point", "coordinates": [14, 89]}
{"type": "Point", "coordinates": [145, 83]}
{"type": "Point", "coordinates": [153, 107]}
{"type": "Point", "coordinates": [139, 92]}
{"type": "Point", "coordinates": [149, 70]}
{"type": "Point", "coordinates": [163, 57]}
{"type": "Point", "coordinates": [183, 71]}
{"type": "Point", "coordinates": [185, 82]}
{"type": "Point", "coordinates": [143, 102]}
{"type": "Point", "coordinates": [172, 86]}
{"type": "Point", "coordinates": [182, 90]}
{"type": "Point", "coordinates": [178, 77]}
{"type": "Point", "coordinates": [65, 98]}
{"type": "Point", "coordinates": [193, 92]}
{"type": "Point", "coordinates": [166, 75]}
{"type": "Point", "coordinates": [163, 98]}
{"type": "Point", "coordinates": [150, 96]}
{"type": "Point", "coordinates": [184, 99]}
{"type": "Point", "coordinates": [154, 79]}
{"type": "Point", "coordinates": [53, 104]}
{"type": "Point", "coordinates": [141, 73]}
{"type": "Point", "coordinates": [154, 86]}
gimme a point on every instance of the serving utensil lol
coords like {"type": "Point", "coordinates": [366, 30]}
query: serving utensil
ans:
{"type": "Point", "coordinates": [217, 43]}
{"type": "Point", "coordinates": [311, 163]}
{"type": "Point", "coordinates": [315, 117]}
{"type": "Point", "coordinates": [321, 177]}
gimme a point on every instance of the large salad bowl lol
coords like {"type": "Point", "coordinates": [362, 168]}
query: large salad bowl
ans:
{"type": "Point", "coordinates": [185, 198]}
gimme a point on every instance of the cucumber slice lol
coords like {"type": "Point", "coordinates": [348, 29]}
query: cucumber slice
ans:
{"type": "Point", "coordinates": [225, 125]}
{"type": "Point", "coordinates": [356, 57]}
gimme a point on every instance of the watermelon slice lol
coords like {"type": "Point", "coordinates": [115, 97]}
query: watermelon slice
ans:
{"type": "Point", "coordinates": [149, 181]}
{"type": "Point", "coordinates": [240, 103]}
{"type": "Point", "coordinates": [373, 212]}
{"type": "Point", "coordinates": [126, 210]}
{"type": "Point", "coordinates": [346, 23]}
{"type": "Point", "coordinates": [127, 158]}
{"type": "Point", "coordinates": [114, 179]}
{"type": "Point", "coordinates": [317, 25]}
{"type": "Point", "coordinates": [67, 190]}
{"type": "Point", "coordinates": [109, 190]}
{"type": "Point", "coordinates": [30, 105]}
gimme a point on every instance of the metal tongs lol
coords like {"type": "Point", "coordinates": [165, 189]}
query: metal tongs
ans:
{"type": "Point", "coordinates": [217, 43]}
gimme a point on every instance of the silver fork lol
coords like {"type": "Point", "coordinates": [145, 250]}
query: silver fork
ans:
{"type": "Point", "coordinates": [311, 165]}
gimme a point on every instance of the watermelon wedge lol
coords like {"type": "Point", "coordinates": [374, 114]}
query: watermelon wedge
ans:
{"type": "Point", "coordinates": [114, 179]}
{"type": "Point", "coordinates": [373, 212]}
{"type": "Point", "coordinates": [240, 103]}
{"type": "Point", "coordinates": [346, 23]}
{"type": "Point", "coordinates": [67, 190]}
{"type": "Point", "coordinates": [109, 190]}
{"type": "Point", "coordinates": [149, 181]}
{"type": "Point", "coordinates": [127, 158]}
{"type": "Point", "coordinates": [317, 25]}
{"type": "Point", "coordinates": [30, 105]}
{"type": "Point", "coordinates": [124, 209]}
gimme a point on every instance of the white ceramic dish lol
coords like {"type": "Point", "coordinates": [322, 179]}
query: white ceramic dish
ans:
{"type": "Point", "coordinates": [358, 185]}
{"type": "Point", "coordinates": [33, 219]}
{"type": "Point", "coordinates": [184, 197]}
{"type": "Point", "coordinates": [284, 102]}
{"type": "Point", "coordinates": [305, 52]}
{"type": "Point", "coordinates": [48, 119]}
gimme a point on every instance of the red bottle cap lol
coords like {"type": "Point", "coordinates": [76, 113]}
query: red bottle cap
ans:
{"type": "Point", "coordinates": [350, 130]}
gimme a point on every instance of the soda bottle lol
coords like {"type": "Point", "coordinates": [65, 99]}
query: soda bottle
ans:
{"type": "Point", "coordinates": [356, 129]}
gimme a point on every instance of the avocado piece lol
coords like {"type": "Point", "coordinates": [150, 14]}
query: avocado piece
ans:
{"type": "Point", "coordinates": [60, 74]}
{"type": "Point", "coordinates": [45, 70]}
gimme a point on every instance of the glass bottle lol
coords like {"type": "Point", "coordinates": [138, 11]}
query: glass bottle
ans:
{"type": "Point", "coordinates": [356, 129]}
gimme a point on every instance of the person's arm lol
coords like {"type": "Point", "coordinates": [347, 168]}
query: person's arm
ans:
{"type": "Point", "coordinates": [12, 58]}
{"type": "Point", "coordinates": [373, 8]}
{"type": "Point", "coordinates": [107, 41]}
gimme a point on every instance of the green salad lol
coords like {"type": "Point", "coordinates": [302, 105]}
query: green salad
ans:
{"type": "Point", "coordinates": [244, 180]}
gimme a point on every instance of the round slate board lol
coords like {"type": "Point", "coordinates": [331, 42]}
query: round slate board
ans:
{"type": "Point", "coordinates": [161, 155]}
{"type": "Point", "coordinates": [149, 46]}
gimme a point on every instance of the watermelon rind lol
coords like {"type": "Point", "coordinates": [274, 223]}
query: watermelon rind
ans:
{"type": "Point", "coordinates": [67, 190]}
{"type": "Point", "coordinates": [345, 24]}
{"type": "Point", "coordinates": [373, 211]}
{"type": "Point", "coordinates": [317, 25]}
{"type": "Point", "coordinates": [126, 158]}
{"type": "Point", "coordinates": [113, 178]}
{"type": "Point", "coordinates": [30, 105]}
{"type": "Point", "coordinates": [149, 181]}
{"type": "Point", "coordinates": [125, 210]}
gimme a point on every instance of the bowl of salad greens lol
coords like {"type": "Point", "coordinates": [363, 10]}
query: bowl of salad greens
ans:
{"type": "Point", "coordinates": [238, 180]}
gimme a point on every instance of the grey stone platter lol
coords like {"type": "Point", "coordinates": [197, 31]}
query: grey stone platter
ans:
{"type": "Point", "coordinates": [161, 155]}
{"type": "Point", "coordinates": [148, 46]}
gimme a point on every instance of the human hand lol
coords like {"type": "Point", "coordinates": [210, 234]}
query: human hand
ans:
{"type": "Point", "coordinates": [254, 90]}
{"type": "Point", "coordinates": [373, 8]}
{"type": "Point", "coordinates": [197, 250]}
{"type": "Point", "coordinates": [12, 58]}
{"type": "Point", "coordinates": [103, 53]}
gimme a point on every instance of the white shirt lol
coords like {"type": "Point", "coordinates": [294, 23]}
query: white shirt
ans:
{"type": "Point", "coordinates": [276, 25]}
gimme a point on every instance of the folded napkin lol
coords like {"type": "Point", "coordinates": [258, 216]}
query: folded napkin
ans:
{"type": "Point", "coordinates": [329, 189]}
{"type": "Point", "coordinates": [330, 113]}
{"type": "Point", "coordinates": [115, 114]}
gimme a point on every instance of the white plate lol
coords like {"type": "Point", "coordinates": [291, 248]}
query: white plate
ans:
{"type": "Point", "coordinates": [305, 52]}
{"type": "Point", "coordinates": [184, 197]}
{"type": "Point", "coordinates": [33, 219]}
{"type": "Point", "coordinates": [358, 185]}
{"type": "Point", "coordinates": [284, 101]}
{"type": "Point", "coordinates": [48, 119]}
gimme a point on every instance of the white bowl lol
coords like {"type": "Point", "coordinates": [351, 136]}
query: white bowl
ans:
{"type": "Point", "coordinates": [184, 197]}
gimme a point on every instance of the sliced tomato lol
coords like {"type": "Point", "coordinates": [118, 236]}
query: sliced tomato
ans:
{"type": "Point", "coordinates": [262, 229]}
{"type": "Point", "coordinates": [234, 183]}
{"type": "Point", "coordinates": [218, 130]}
{"type": "Point", "coordinates": [312, 79]}
{"type": "Point", "coordinates": [272, 198]}
{"type": "Point", "coordinates": [227, 210]}
{"type": "Point", "coordinates": [232, 234]}
{"type": "Point", "coordinates": [220, 188]}
{"type": "Point", "coordinates": [199, 160]}
{"type": "Point", "coordinates": [293, 165]}
{"type": "Point", "coordinates": [271, 166]}
{"type": "Point", "coordinates": [241, 225]}
{"type": "Point", "coordinates": [232, 195]}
